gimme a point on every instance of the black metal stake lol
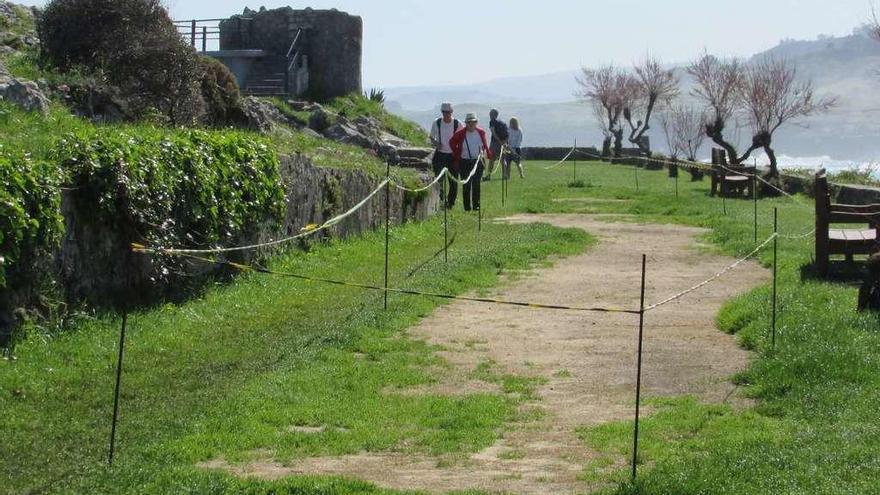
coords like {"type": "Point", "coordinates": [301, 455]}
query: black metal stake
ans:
{"type": "Point", "coordinates": [677, 171]}
{"type": "Point", "coordinates": [724, 204]}
{"type": "Point", "coordinates": [639, 369]}
{"type": "Point", "coordinates": [636, 173]}
{"type": "Point", "coordinates": [118, 384]}
{"type": "Point", "coordinates": [775, 238]}
{"type": "Point", "coordinates": [445, 219]}
{"type": "Point", "coordinates": [755, 201]}
{"type": "Point", "coordinates": [503, 180]}
{"type": "Point", "coordinates": [480, 219]}
{"type": "Point", "coordinates": [387, 224]}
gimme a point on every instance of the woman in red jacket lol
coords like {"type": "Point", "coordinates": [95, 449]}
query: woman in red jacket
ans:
{"type": "Point", "coordinates": [466, 144]}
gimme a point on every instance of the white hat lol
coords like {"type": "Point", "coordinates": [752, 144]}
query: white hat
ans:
{"type": "Point", "coordinates": [446, 107]}
{"type": "Point", "coordinates": [471, 117]}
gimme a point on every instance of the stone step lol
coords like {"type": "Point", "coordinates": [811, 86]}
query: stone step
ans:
{"type": "Point", "coordinates": [414, 153]}
{"type": "Point", "coordinates": [265, 91]}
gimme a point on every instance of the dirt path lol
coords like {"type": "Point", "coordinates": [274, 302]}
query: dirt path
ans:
{"type": "Point", "coordinates": [587, 359]}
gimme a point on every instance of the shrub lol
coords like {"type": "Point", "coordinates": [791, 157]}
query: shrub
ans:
{"type": "Point", "coordinates": [30, 219]}
{"type": "Point", "coordinates": [860, 176]}
{"type": "Point", "coordinates": [184, 188]}
{"type": "Point", "coordinates": [133, 43]}
{"type": "Point", "coordinates": [220, 93]}
{"type": "Point", "coordinates": [376, 95]}
{"type": "Point", "coordinates": [189, 188]}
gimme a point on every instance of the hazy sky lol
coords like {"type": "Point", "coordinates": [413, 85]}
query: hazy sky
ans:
{"type": "Point", "coordinates": [426, 42]}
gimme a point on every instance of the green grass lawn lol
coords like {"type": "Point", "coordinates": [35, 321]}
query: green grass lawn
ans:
{"type": "Point", "coordinates": [236, 370]}
{"type": "Point", "coordinates": [229, 374]}
{"type": "Point", "coordinates": [815, 427]}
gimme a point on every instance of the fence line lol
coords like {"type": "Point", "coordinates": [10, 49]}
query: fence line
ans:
{"type": "Point", "coordinates": [308, 230]}
{"type": "Point", "coordinates": [560, 162]}
{"type": "Point", "coordinates": [714, 277]}
{"type": "Point", "coordinates": [247, 268]}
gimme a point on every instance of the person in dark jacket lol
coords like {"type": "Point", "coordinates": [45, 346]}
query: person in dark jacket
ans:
{"type": "Point", "coordinates": [441, 132]}
{"type": "Point", "coordinates": [498, 129]}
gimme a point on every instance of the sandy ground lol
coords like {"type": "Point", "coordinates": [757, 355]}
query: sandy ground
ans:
{"type": "Point", "coordinates": [588, 359]}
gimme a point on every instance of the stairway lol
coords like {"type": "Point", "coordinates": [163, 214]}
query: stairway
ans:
{"type": "Point", "coordinates": [266, 77]}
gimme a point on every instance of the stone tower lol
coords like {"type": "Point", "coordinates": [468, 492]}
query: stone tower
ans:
{"type": "Point", "coordinates": [324, 63]}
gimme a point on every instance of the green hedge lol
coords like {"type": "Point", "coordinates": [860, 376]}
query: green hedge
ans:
{"type": "Point", "coordinates": [186, 188]}
{"type": "Point", "coordinates": [30, 217]}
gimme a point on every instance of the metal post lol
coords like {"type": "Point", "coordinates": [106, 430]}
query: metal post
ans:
{"type": "Point", "coordinates": [775, 245]}
{"type": "Point", "coordinates": [118, 384]}
{"type": "Point", "coordinates": [204, 39]}
{"type": "Point", "coordinates": [445, 220]}
{"type": "Point", "coordinates": [480, 219]}
{"type": "Point", "coordinates": [755, 201]}
{"type": "Point", "coordinates": [387, 224]}
{"type": "Point", "coordinates": [502, 181]}
{"type": "Point", "coordinates": [636, 173]}
{"type": "Point", "coordinates": [677, 172]}
{"type": "Point", "coordinates": [724, 204]}
{"type": "Point", "coordinates": [575, 155]}
{"type": "Point", "coordinates": [192, 33]}
{"type": "Point", "coordinates": [639, 369]}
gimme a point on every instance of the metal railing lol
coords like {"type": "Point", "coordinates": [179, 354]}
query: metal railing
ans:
{"type": "Point", "coordinates": [292, 56]}
{"type": "Point", "coordinates": [199, 32]}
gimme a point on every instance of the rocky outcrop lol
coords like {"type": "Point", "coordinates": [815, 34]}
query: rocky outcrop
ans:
{"type": "Point", "coordinates": [16, 27]}
{"type": "Point", "coordinates": [22, 93]}
{"type": "Point", "coordinates": [17, 34]}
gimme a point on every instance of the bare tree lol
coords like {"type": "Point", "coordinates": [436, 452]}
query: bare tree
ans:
{"type": "Point", "coordinates": [717, 86]}
{"type": "Point", "coordinates": [609, 90]}
{"type": "Point", "coordinates": [684, 127]}
{"type": "Point", "coordinates": [651, 84]}
{"type": "Point", "coordinates": [771, 95]}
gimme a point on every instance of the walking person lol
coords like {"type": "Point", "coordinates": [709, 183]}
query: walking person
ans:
{"type": "Point", "coordinates": [467, 144]}
{"type": "Point", "coordinates": [499, 138]}
{"type": "Point", "coordinates": [441, 132]}
{"type": "Point", "coordinates": [514, 143]}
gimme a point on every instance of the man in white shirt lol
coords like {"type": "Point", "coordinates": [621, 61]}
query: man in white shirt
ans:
{"type": "Point", "coordinates": [441, 131]}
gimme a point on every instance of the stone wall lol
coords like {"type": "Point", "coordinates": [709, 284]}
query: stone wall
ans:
{"type": "Point", "coordinates": [95, 265]}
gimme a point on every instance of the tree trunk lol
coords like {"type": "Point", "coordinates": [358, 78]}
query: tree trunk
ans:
{"type": "Point", "coordinates": [618, 141]}
{"type": "Point", "coordinates": [715, 132]}
{"type": "Point", "coordinates": [774, 172]}
{"type": "Point", "coordinates": [606, 146]}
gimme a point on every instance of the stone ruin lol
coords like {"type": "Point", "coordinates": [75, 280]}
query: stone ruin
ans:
{"type": "Point", "coordinates": [324, 63]}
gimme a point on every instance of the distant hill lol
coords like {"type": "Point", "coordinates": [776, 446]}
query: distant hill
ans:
{"type": "Point", "coordinates": [847, 66]}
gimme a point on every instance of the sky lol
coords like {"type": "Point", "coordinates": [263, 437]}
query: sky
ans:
{"type": "Point", "coordinates": [432, 42]}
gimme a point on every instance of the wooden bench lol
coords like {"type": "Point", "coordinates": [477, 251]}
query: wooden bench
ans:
{"type": "Point", "coordinates": [834, 240]}
{"type": "Point", "coordinates": [730, 180]}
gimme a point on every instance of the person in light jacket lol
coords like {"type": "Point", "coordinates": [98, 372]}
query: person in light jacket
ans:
{"type": "Point", "coordinates": [467, 146]}
{"type": "Point", "coordinates": [514, 143]}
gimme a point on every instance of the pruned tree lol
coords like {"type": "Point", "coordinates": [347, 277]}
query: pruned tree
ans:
{"type": "Point", "coordinates": [770, 96]}
{"type": "Point", "coordinates": [717, 86]}
{"type": "Point", "coordinates": [609, 90]}
{"type": "Point", "coordinates": [652, 84]}
{"type": "Point", "coordinates": [684, 127]}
